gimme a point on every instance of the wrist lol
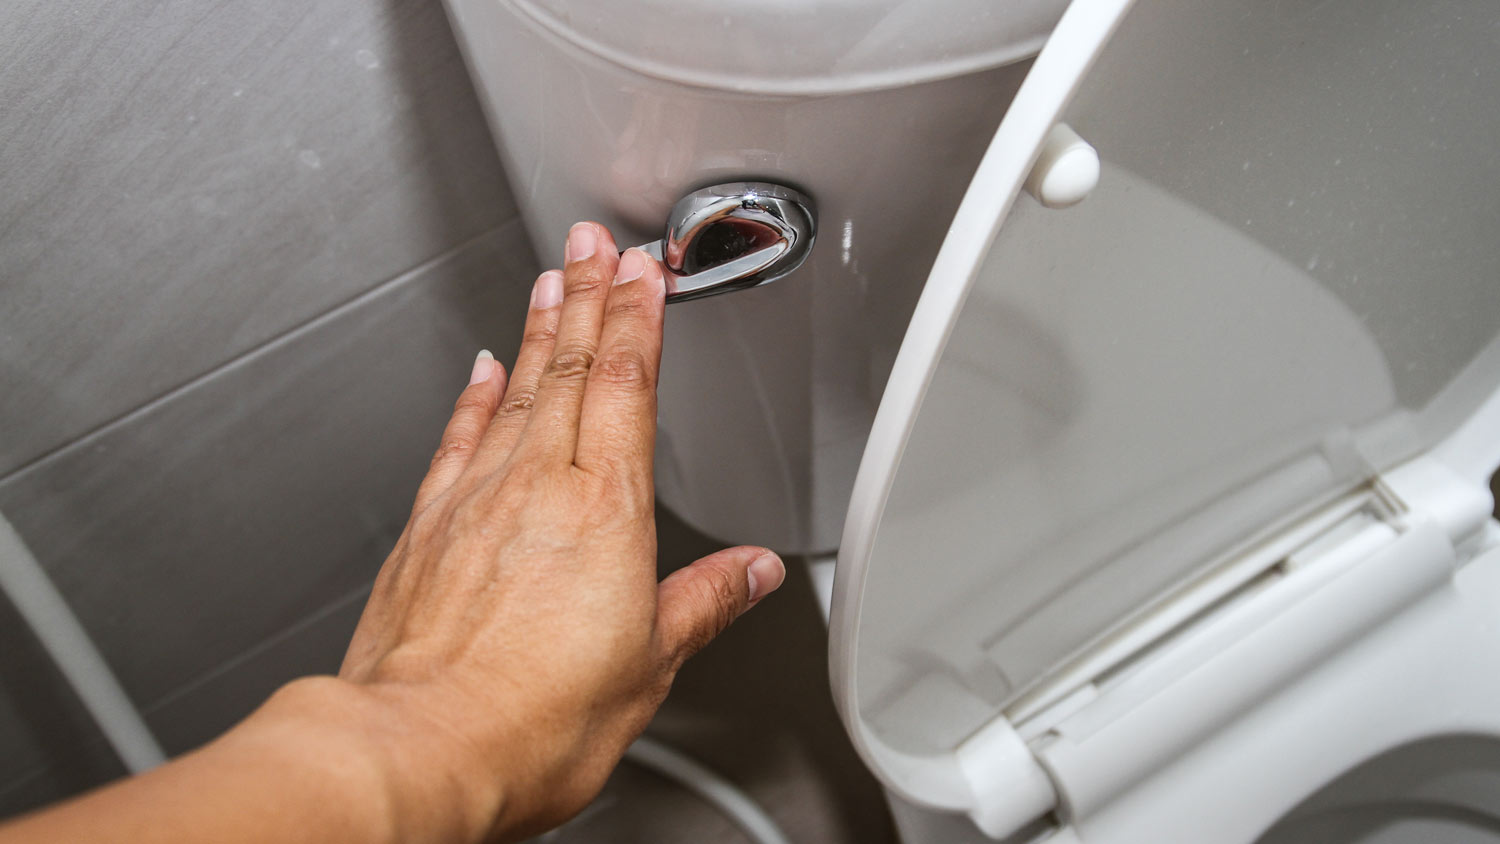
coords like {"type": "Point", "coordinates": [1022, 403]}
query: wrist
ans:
{"type": "Point", "coordinates": [410, 777]}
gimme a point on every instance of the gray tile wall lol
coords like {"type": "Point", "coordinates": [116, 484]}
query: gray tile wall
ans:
{"type": "Point", "coordinates": [181, 182]}
{"type": "Point", "coordinates": [247, 253]}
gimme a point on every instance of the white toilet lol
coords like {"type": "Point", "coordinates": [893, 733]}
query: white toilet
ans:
{"type": "Point", "coordinates": [1174, 521]}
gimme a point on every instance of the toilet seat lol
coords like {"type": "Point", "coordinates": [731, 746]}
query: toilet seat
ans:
{"type": "Point", "coordinates": [1146, 501]}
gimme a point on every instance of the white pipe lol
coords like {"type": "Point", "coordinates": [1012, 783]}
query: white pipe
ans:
{"type": "Point", "coordinates": [44, 610]}
{"type": "Point", "coordinates": [704, 782]}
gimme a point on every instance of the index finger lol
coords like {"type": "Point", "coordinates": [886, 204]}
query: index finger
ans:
{"type": "Point", "coordinates": [617, 425]}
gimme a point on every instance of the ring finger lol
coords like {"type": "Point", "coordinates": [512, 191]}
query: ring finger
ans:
{"type": "Point", "coordinates": [520, 394]}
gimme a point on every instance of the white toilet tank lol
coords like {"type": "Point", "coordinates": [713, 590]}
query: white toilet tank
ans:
{"type": "Point", "coordinates": [878, 109]}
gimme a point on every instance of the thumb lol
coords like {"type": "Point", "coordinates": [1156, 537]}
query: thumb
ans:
{"type": "Point", "coordinates": [696, 603]}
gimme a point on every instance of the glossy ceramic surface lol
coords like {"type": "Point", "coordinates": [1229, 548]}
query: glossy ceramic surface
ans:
{"type": "Point", "coordinates": [767, 394]}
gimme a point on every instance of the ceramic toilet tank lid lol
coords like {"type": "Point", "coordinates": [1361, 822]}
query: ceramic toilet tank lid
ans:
{"type": "Point", "coordinates": [800, 46]}
{"type": "Point", "coordinates": [1256, 312]}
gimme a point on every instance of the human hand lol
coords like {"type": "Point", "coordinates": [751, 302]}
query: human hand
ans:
{"type": "Point", "coordinates": [516, 640]}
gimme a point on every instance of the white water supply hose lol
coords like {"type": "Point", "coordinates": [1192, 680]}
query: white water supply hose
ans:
{"type": "Point", "coordinates": [38, 603]}
{"type": "Point", "coordinates": [43, 609]}
{"type": "Point", "coordinates": [703, 781]}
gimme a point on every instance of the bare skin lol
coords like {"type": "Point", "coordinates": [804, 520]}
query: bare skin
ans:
{"type": "Point", "coordinates": [516, 640]}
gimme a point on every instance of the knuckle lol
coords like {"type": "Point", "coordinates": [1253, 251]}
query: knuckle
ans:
{"type": "Point", "coordinates": [725, 598]}
{"type": "Point", "coordinates": [452, 449]}
{"type": "Point", "coordinates": [543, 333]}
{"type": "Point", "coordinates": [631, 307]}
{"type": "Point", "coordinates": [626, 367]}
{"type": "Point", "coordinates": [586, 280]}
{"type": "Point", "coordinates": [571, 363]}
{"type": "Point", "coordinates": [519, 401]}
{"type": "Point", "coordinates": [718, 608]}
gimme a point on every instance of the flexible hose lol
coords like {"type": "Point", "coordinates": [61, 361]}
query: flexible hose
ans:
{"type": "Point", "coordinates": [63, 637]}
{"type": "Point", "coordinates": [704, 782]}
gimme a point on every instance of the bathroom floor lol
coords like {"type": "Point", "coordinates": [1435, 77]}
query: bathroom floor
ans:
{"type": "Point", "coordinates": [755, 707]}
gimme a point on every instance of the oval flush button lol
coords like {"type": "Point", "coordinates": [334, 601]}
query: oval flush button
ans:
{"type": "Point", "coordinates": [1066, 171]}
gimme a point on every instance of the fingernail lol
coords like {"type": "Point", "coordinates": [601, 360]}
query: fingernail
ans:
{"type": "Point", "coordinates": [632, 264]}
{"type": "Point", "coordinates": [581, 241]}
{"type": "Point", "coordinates": [548, 290]}
{"type": "Point", "coordinates": [484, 365]}
{"type": "Point", "coordinates": [766, 575]}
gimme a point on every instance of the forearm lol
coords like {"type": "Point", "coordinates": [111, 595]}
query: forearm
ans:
{"type": "Point", "coordinates": [318, 762]}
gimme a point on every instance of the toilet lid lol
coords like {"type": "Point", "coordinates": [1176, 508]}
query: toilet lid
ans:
{"type": "Point", "coordinates": [1286, 281]}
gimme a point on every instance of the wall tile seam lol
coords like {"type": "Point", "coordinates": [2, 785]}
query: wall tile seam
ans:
{"type": "Point", "coordinates": [252, 354]}
{"type": "Point", "coordinates": [96, 741]}
{"type": "Point", "coordinates": [255, 650]}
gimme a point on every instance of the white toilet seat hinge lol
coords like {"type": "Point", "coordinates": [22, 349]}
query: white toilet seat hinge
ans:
{"type": "Point", "coordinates": [1011, 789]}
{"type": "Point", "coordinates": [1420, 523]}
{"type": "Point", "coordinates": [1381, 551]}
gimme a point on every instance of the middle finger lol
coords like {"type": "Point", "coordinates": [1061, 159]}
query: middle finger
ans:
{"type": "Point", "coordinates": [551, 433]}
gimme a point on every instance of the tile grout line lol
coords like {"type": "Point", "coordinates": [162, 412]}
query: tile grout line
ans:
{"type": "Point", "coordinates": [228, 665]}
{"type": "Point", "coordinates": [254, 353]}
{"type": "Point", "coordinates": [258, 648]}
